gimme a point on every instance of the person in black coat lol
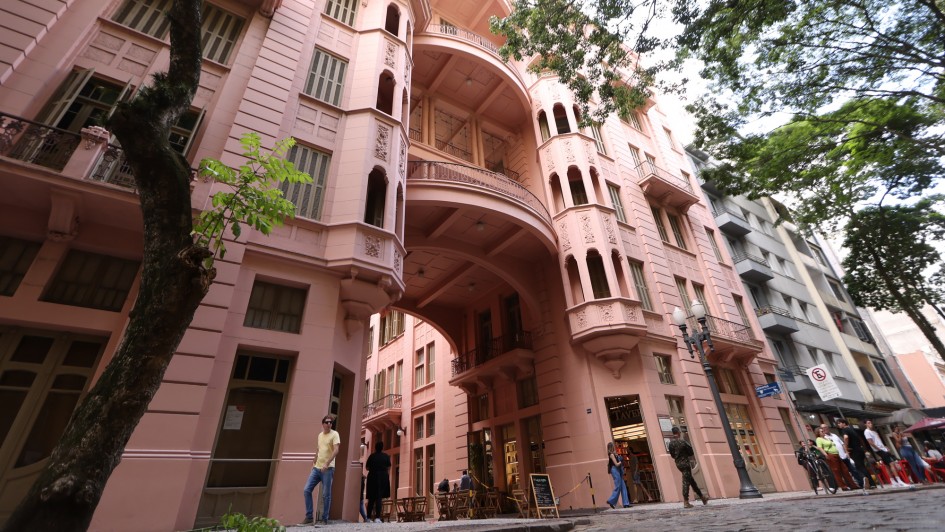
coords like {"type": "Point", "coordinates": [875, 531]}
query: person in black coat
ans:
{"type": "Point", "coordinates": [378, 481]}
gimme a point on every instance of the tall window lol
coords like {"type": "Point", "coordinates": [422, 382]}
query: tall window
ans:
{"type": "Point", "coordinates": [307, 197]}
{"type": "Point", "coordinates": [418, 433]}
{"type": "Point", "coordinates": [699, 291]}
{"type": "Point", "coordinates": [430, 373]}
{"type": "Point", "coordinates": [728, 382]}
{"type": "Point", "coordinates": [614, 191]}
{"type": "Point", "coordinates": [740, 307]}
{"type": "Point", "coordinates": [392, 326]}
{"type": "Point", "coordinates": [399, 375]}
{"type": "Point", "coordinates": [683, 294]}
{"type": "Point", "coordinates": [418, 470]}
{"type": "Point", "coordinates": [664, 368]}
{"type": "Point", "coordinates": [639, 281]}
{"type": "Point", "coordinates": [342, 10]}
{"type": "Point", "coordinates": [275, 307]}
{"type": "Point", "coordinates": [676, 226]}
{"type": "Point", "coordinates": [543, 126]}
{"type": "Point", "coordinates": [528, 392]}
{"type": "Point", "coordinates": [419, 369]}
{"type": "Point", "coordinates": [598, 138]}
{"type": "Point", "coordinates": [326, 79]}
{"type": "Point", "coordinates": [576, 184]}
{"type": "Point", "coordinates": [431, 424]}
{"type": "Point", "coordinates": [633, 119]}
{"type": "Point", "coordinates": [715, 245]}
{"type": "Point", "coordinates": [376, 199]}
{"type": "Point", "coordinates": [221, 29]}
{"type": "Point", "coordinates": [93, 281]}
{"type": "Point", "coordinates": [660, 226]}
{"type": "Point", "coordinates": [146, 16]}
{"type": "Point", "coordinates": [595, 269]}
{"type": "Point", "coordinates": [16, 256]}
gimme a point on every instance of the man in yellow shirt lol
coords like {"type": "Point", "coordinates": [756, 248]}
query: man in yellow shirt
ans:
{"type": "Point", "coordinates": [323, 469]}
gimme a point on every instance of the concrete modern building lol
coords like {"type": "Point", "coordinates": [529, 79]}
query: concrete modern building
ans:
{"type": "Point", "coordinates": [795, 289]}
{"type": "Point", "coordinates": [449, 186]}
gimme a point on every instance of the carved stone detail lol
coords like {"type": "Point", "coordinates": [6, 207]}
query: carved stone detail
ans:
{"type": "Point", "coordinates": [372, 246]}
{"type": "Point", "coordinates": [389, 53]}
{"type": "Point", "coordinates": [382, 142]}
{"type": "Point", "coordinates": [563, 235]}
{"type": "Point", "coordinates": [403, 158]}
{"type": "Point", "coordinates": [611, 234]}
{"type": "Point", "coordinates": [397, 261]}
{"type": "Point", "coordinates": [569, 152]}
{"type": "Point", "coordinates": [586, 229]}
{"type": "Point", "coordinates": [581, 317]}
{"type": "Point", "coordinates": [606, 313]}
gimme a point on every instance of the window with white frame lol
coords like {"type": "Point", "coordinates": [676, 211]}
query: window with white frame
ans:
{"type": "Point", "coordinates": [275, 307]}
{"type": "Point", "coordinates": [342, 10]}
{"type": "Point", "coordinates": [715, 245]}
{"type": "Point", "coordinates": [660, 226]}
{"type": "Point", "coordinates": [146, 16]}
{"type": "Point", "coordinates": [614, 192]}
{"type": "Point", "coordinates": [740, 307]}
{"type": "Point", "coordinates": [633, 120]}
{"type": "Point", "coordinates": [307, 197]}
{"type": "Point", "coordinates": [431, 363]}
{"type": "Point", "coordinates": [683, 294]}
{"type": "Point", "coordinates": [391, 326]}
{"type": "Point", "coordinates": [639, 281]}
{"type": "Point", "coordinates": [598, 138]}
{"type": "Point", "coordinates": [431, 424]}
{"type": "Point", "coordinates": [326, 78]}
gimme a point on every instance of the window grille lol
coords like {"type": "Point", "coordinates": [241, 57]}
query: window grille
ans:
{"type": "Point", "coordinates": [275, 307]}
{"type": "Point", "coordinates": [326, 78]}
{"type": "Point", "coordinates": [307, 197]}
{"type": "Point", "coordinates": [93, 281]}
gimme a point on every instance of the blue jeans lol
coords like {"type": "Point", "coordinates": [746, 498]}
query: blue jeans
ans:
{"type": "Point", "coordinates": [620, 488]}
{"type": "Point", "coordinates": [314, 478]}
{"type": "Point", "coordinates": [909, 455]}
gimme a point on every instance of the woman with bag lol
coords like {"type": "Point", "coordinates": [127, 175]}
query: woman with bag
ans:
{"type": "Point", "coordinates": [615, 466]}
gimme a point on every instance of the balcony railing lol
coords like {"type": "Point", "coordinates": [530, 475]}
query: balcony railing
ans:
{"type": "Point", "coordinates": [738, 257]}
{"type": "Point", "coordinates": [488, 351]}
{"type": "Point", "coordinates": [113, 168]}
{"type": "Point", "coordinates": [769, 309]}
{"type": "Point", "coordinates": [454, 150]}
{"type": "Point", "coordinates": [723, 329]}
{"type": "Point", "coordinates": [459, 173]}
{"type": "Point", "coordinates": [448, 29]}
{"type": "Point", "coordinates": [719, 211]}
{"type": "Point", "coordinates": [384, 403]}
{"type": "Point", "coordinates": [415, 135]}
{"type": "Point", "coordinates": [646, 168]}
{"type": "Point", "coordinates": [36, 143]}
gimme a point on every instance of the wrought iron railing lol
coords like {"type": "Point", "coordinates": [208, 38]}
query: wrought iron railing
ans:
{"type": "Point", "coordinates": [474, 38]}
{"type": "Point", "coordinates": [725, 329]}
{"type": "Point", "coordinates": [770, 309]}
{"type": "Point", "coordinates": [738, 257]}
{"type": "Point", "coordinates": [384, 403]}
{"type": "Point", "coordinates": [646, 168]}
{"type": "Point", "coordinates": [490, 350]}
{"type": "Point", "coordinates": [36, 143]}
{"type": "Point", "coordinates": [113, 168]}
{"type": "Point", "coordinates": [434, 170]}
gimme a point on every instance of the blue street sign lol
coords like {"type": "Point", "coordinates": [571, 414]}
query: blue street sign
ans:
{"type": "Point", "coordinates": [767, 390]}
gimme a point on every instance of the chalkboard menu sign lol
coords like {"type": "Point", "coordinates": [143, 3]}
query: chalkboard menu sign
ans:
{"type": "Point", "coordinates": [543, 492]}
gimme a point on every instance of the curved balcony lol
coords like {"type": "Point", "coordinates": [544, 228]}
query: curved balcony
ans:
{"type": "Point", "coordinates": [448, 30]}
{"type": "Point", "coordinates": [504, 357]}
{"type": "Point", "coordinates": [666, 187]}
{"type": "Point", "coordinates": [385, 413]}
{"type": "Point", "coordinates": [608, 329]}
{"type": "Point", "coordinates": [493, 190]}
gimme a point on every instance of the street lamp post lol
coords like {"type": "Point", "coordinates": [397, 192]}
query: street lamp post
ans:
{"type": "Point", "coordinates": [748, 490]}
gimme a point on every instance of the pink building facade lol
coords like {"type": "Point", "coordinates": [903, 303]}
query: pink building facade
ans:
{"type": "Point", "coordinates": [538, 263]}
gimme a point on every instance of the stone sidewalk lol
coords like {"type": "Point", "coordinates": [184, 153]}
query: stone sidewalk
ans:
{"type": "Point", "coordinates": [918, 509]}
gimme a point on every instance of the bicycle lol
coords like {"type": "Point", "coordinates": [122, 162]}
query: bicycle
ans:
{"type": "Point", "coordinates": [818, 473]}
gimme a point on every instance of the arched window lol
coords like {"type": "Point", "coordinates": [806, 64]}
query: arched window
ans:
{"type": "Point", "coordinates": [543, 126]}
{"type": "Point", "coordinates": [621, 277]}
{"type": "Point", "coordinates": [576, 184]}
{"type": "Point", "coordinates": [376, 196]}
{"type": "Point", "coordinates": [392, 23]}
{"type": "Point", "coordinates": [561, 119]}
{"type": "Point", "coordinates": [385, 93]}
{"type": "Point", "coordinates": [574, 281]}
{"type": "Point", "coordinates": [598, 275]}
{"type": "Point", "coordinates": [577, 116]}
{"type": "Point", "coordinates": [556, 193]}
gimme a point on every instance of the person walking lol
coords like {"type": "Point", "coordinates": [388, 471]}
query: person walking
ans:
{"type": "Point", "coordinates": [857, 451]}
{"type": "Point", "coordinates": [683, 454]}
{"type": "Point", "coordinates": [876, 444]}
{"type": "Point", "coordinates": [323, 470]}
{"type": "Point", "coordinates": [829, 448]}
{"type": "Point", "coordinates": [635, 478]}
{"type": "Point", "coordinates": [378, 481]}
{"type": "Point", "coordinates": [615, 468]}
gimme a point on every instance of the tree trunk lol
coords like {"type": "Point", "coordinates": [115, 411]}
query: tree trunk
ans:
{"type": "Point", "coordinates": [173, 282]}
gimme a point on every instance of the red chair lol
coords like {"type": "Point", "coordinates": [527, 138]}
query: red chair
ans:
{"type": "Point", "coordinates": [882, 473]}
{"type": "Point", "coordinates": [905, 473]}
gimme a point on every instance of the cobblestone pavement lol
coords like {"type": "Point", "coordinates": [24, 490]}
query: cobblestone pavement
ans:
{"type": "Point", "coordinates": [918, 510]}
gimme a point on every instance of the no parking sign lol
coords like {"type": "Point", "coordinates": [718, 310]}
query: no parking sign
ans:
{"type": "Point", "coordinates": [823, 382]}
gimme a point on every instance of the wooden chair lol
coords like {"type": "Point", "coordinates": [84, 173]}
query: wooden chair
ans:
{"type": "Point", "coordinates": [411, 509]}
{"type": "Point", "coordinates": [488, 504]}
{"type": "Point", "coordinates": [387, 508]}
{"type": "Point", "coordinates": [444, 507]}
{"type": "Point", "coordinates": [463, 507]}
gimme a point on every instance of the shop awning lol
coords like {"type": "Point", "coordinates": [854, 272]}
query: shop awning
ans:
{"type": "Point", "coordinates": [904, 416]}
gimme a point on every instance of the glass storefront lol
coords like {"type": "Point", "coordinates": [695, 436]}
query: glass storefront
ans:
{"type": "Point", "coordinates": [631, 442]}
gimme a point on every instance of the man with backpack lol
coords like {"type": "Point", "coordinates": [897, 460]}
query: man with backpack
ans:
{"type": "Point", "coordinates": [683, 454]}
